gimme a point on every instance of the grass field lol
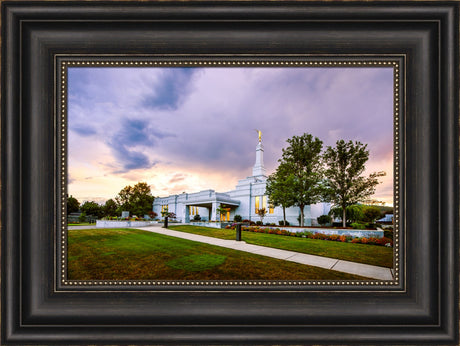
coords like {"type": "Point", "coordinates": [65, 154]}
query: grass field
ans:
{"type": "Point", "coordinates": [361, 253]}
{"type": "Point", "coordinates": [80, 224]}
{"type": "Point", "coordinates": [130, 254]}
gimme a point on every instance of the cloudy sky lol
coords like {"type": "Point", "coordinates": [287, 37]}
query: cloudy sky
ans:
{"type": "Point", "coordinates": [189, 129]}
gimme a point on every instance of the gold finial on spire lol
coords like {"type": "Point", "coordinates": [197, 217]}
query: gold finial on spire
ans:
{"type": "Point", "coordinates": [260, 135]}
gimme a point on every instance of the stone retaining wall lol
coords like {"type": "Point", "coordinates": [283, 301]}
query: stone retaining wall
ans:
{"type": "Point", "coordinates": [210, 224]}
{"type": "Point", "coordinates": [355, 233]}
{"type": "Point", "coordinates": [122, 223]}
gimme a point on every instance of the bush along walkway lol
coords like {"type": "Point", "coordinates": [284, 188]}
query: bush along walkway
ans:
{"type": "Point", "coordinates": [366, 270]}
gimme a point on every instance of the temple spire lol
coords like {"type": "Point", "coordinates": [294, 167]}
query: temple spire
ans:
{"type": "Point", "coordinates": [259, 168]}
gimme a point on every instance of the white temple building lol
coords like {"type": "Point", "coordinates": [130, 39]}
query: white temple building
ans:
{"type": "Point", "coordinates": [247, 197]}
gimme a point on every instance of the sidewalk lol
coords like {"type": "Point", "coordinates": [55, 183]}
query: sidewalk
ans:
{"type": "Point", "coordinates": [370, 271]}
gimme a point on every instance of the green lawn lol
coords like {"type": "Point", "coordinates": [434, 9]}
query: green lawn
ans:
{"type": "Point", "coordinates": [80, 224]}
{"type": "Point", "coordinates": [130, 254]}
{"type": "Point", "coordinates": [362, 253]}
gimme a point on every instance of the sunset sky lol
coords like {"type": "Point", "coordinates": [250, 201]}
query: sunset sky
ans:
{"type": "Point", "coordinates": [190, 129]}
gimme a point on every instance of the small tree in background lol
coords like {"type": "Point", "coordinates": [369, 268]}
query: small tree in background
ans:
{"type": "Point", "coordinates": [82, 217]}
{"type": "Point", "coordinates": [371, 213]}
{"type": "Point", "coordinates": [92, 208]}
{"type": "Point", "coordinates": [110, 208]}
{"type": "Point", "coordinates": [353, 213]}
{"type": "Point", "coordinates": [237, 218]}
{"type": "Point", "coordinates": [261, 212]}
{"type": "Point", "coordinates": [280, 189]}
{"type": "Point", "coordinates": [72, 205]}
{"type": "Point", "coordinates": [137, 199]}
{"type": "Point", "coordinates": [324, 219]}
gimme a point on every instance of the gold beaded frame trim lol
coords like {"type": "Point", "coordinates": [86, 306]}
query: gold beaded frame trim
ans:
{"type": "Point", "coordinates": [62, 63]}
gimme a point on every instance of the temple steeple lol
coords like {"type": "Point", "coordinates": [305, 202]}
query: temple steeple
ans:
{"type": "Point", "coordinates": [259, 168]}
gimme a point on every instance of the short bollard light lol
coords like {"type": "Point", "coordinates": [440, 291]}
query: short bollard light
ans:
{"type": "Point", "coordinates": [238, 232]}
{"type": "Point", "coordinates": [166, 222]}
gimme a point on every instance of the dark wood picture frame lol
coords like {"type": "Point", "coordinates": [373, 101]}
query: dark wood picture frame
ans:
{"type": "Point", "coordinates": [421, 308]}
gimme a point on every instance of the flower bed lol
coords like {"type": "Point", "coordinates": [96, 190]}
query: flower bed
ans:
{"type": "Point", "coordinates": [352, 236]}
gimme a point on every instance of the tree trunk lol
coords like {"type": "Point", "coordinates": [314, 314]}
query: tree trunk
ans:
{"type": "Point", "coordinates": [284, 215]}
{"type": "Point", "coordinates": [344, 217]}
{"type": "Point", "coordinates": [301, 216]}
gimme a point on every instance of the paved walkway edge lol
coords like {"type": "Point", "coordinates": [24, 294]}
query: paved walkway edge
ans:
{"type": "Point", "coordinates": [366, 270]}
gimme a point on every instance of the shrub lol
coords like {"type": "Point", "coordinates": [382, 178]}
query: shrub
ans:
{"type": "Point", "coordinates": [357, 225]}
{"type": "Point", "coordinates": [356, 240]}
{"type": "Point", "coordinates": [237, 218]}
{"type": "Point", "coordinates": [197, 218]}
{"type": "Point", "coordinates": [324, 219]}
{"type": "Point", "coordinates": [371, 225]}
{"type": "Point", "coordinates": [343, 238]}
{"type": "Point", "coordinates": [372, 241]}
{"type": "Point", "coordinates": [281, 223]}
{"type": "Point", "coordinates": [383, 241]}
{"type": "Point", "coordinates": [320, 236]}
{"type": "Point", "coordinates": [388, 234]}
{"type": "Point", "coordinates": [333, 237]}
{"type": "Point", "coordinates": [259, 223]}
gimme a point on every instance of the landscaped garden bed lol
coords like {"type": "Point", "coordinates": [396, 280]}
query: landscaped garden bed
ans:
{"type": "Point", "coordinates": [348, 250]}
{"type": "Point", "coordinates": [374, 237]}
{"type": "Point", "coordinates": [342, 235]}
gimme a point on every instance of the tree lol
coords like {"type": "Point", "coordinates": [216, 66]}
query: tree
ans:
{"type": "Point", "coordinates": [371, 213]}
{"type": "Point", "coordinates": [137, 200]}
{"type": "Point", "coordinates": [261, 212]}
{"type": "Point", "coordinates": [324, 219]}
{"type": "Point", "coordinates": [302, 160]}
{"type": "Point", "coordinates": [72, 205]}
{"type": "Point", "coordinates": [110, 208]}
{"type": "Point", "coordinates": [82, 217]}
{"type": "Point", "coordinates": [92, 208]}
{"type": "Point", "coordinates": [344, 183]}
{"type": "Point", "coordinates": [280, 189]}
{"type": "Point", "coordinates": [354, 213]}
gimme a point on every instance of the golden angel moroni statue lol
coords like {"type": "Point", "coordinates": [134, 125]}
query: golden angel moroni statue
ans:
{"type": "Point", "coordinates": [260, 135]}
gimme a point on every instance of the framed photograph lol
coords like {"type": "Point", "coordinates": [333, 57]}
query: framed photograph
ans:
{"type": "Point", "coordinates": [230, 172]}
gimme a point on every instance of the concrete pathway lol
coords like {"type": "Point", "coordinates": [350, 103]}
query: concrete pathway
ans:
{"type": "Point", "coordinates": [369, 271]}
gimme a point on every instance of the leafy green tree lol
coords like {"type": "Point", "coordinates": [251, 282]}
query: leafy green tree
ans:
{"type": "Point", "coordinates": [354, 213]}
{"type": "Point", "coordinates": [324, 219]}
{"type": "Point", "coordinates": [110, 208]}
{"type": "Point", "coordinates": [344, 183]}
{"type": "Point", "coordinates": [302, 160]}
{"type": "Point", "coordinates": [136, 199]}
{"type": "Point", "coordinates": [92, 208]}
{"type": "Point", "coordinates": [82, 217]}
{"type": "Point", "coordinates": [280, 189]}
{"type": "Point", "coordinates": [371, 213]}
{"type": "Point", "coordinates": [237, 218]}
{"type": "Point", "coordinates": [72, 205]}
